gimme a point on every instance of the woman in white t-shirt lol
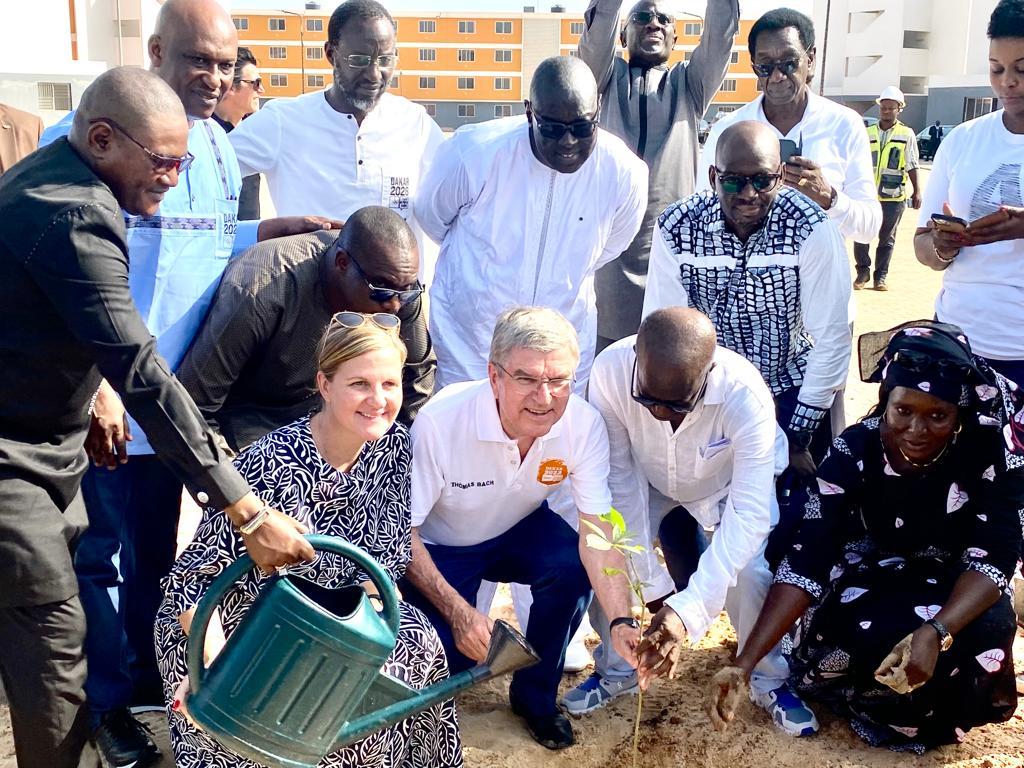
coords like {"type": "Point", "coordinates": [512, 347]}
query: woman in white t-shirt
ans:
{"type": "Point", "coordinates": [978, 175]}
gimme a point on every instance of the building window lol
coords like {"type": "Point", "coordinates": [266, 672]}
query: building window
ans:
{"type": "Point", "coordinates": [55, 96]}
{"type": "Point", "coordinates": [394, 82]}
{"type": "Point", "coordinates": [315, 81]}
{"type": "Point", "coordinates": [502, 55]}
{"type": "Point", "coordinates": [241, 24]}
{"type": "Point", "coordinates": [275, 25]}
{"type": "Point", "coordinates": [431, 109]}
{"type": "Point", "coordinates": [977, 107]}
{"type": "Point", "coordinates": [503, 83]}
{"type": "Point", "coordinates": [467, 110]}
{"type": "Point", "coordinates": [734, 57]}
{"type": "Point", "coordinates": [428, 54]}
{"type": "Point", "coordinates": [465, 54]}
{"type": "Point", "coordinates": [278, 52]}
{"type": "Point", "coordinates": [576, 28]}
{"type": "Point", "coordinates": [279, 81]}
{"type": "Point", "coordinates": [728, 86]}
{"type": "Point", "coordinates": [428, 27]}
{"type": "Point", "coordinates": [428, 83]}
{"type": "Point", "coordinates": [467, 27]}
{"type": "Point", "coordinates": [503, 110]}
{"type": "Point", "coordinates": [314, 25]}
{"type": "Point", "coordinates": [466, 83]}
{"type": "Point", "coordinates": [503, 27]}
{"type": "Point", "coordinates": [687, 55]}
{"type": "Point", "coordinates": [692, 28]}
{"type": "Point", "coordinates": [315, 53]}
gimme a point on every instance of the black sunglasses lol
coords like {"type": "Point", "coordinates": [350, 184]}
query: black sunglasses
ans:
{"type": "Point", "coordinates": [382, 295]}
{"type": "Point", "coordinates": [734, 183]}
{"type": "Point", "coordinates": [676, 407]}
{"type": "Point", "coordinates": [919, 362]}
{"type": "Point", "coordinates": [787, 67]}
{"type": "Point", "coordinates": [161, 163]}
{"type": "Point", "coordinates": [646, 17]}
{"type": "Point", "coordinates": [256, 84]}
{"type": "Point", "coordinates": [552, 129]}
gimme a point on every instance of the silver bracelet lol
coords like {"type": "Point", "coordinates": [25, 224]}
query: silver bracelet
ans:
{"type": "Point", "coordinates": [942, 258]}
{"type": "Point", "coordinates": [253, 524]}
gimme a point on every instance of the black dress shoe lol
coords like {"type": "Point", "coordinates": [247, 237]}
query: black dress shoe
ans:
{"type": "Point", "coordinates": [553, 731]}
{"type": "Point", "coordinates": [124, 742]}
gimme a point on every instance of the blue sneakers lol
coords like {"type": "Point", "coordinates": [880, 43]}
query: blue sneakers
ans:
{"type": "Point", "coordinates": [596, 691]}
{"type": "Point", "coordinates": [787, 710]}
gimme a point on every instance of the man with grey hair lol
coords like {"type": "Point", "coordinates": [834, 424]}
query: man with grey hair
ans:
{"type": "Point", "coordinates": [66, 318]}
{"type": "Point", "coordinates": [526, 209]}
{"type": "Point", "coordinates": [487, 456]}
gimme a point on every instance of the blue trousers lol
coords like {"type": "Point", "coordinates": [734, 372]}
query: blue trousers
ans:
{"type": "Point", "coordinates": [126, 551]}
{"type": "Point", "coordinates": [541, 550]}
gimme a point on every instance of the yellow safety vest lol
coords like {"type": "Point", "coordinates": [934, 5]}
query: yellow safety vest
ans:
{"type": "Point", "coordinates": [890, 161]}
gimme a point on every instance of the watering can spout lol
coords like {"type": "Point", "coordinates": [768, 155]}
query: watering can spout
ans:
{"type": "Point", "coordinates": [507, 653]}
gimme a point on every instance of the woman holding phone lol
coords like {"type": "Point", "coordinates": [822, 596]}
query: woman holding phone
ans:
{"type": "Point", "coordinates": [972, 216]}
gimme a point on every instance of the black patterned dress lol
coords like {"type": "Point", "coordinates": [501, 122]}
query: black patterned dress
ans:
{"type": "Point", "coordinates": [367, 506]}
{"type": "Point", "coordinates": [880, 553]}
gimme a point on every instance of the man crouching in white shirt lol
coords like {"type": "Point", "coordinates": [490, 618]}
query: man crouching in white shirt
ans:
{"type": "Point", "coordinates": [695, 422]}
{"type": "Point", "coordinates": [486, 457]}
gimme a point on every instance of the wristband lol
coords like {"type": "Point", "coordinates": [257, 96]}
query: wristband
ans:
{"type": "Point", "coordinates": [253, 524]}
{"type": "Point", "coordinates": [629, 621]}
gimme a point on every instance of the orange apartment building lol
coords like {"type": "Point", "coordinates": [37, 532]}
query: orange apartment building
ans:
{"type": "Point", "coordinates": [463, 68]}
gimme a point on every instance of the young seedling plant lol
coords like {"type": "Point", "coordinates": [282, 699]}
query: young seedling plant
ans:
{"type": "Point", "coordinates": [623, 541]}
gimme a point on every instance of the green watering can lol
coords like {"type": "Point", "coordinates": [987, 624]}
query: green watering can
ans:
{"type": "Point", "coordinates": [300, 676]}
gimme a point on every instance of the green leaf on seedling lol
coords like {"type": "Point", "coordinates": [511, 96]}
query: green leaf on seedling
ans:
{"type": "Point", "coordinates": [614, 518]}
{"type": "Point", "coordinates": [598, 530]}
{"type": "Point", "coordinates": [597, 542]}
{"type": "Point", "coordinates": [613, 572]}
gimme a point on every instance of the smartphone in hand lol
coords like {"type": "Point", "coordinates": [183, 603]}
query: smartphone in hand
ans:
{"type": "Point", "coordinates": [945, 223]}
{"type": "Point", "coordinates": [787, 149]}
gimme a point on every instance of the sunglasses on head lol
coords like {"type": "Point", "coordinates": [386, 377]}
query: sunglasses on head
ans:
{"type": "Point", "coordinates": [646, 17]}
{"type": "Point", "coordinates": [381, 295]}
{"type": "Point", "coordinates": [552, 129]}
{"type": "Point", "coordinates": [672, 405]}
{"type": "Point", "coordinates": [919, 362]}
{"type": "Point", "coordinates": [362, 60]}
{"type": "Point", "coordinates": [161, 163]}
{"type": "Point", "coordinates": [787, 67]}
{"type": "Point", "coordinates": [734, 183]}
{"type": "Point", "coordinates": [382, 320]}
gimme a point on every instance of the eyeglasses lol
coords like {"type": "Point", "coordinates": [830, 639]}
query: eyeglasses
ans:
{"type": "Point", "coordinates": [919, 362]}
{"type": "Point", "coordinates": [552, 129]}
{"type": "Point", "coordinates": [674, 406]}
{"type": "Point", "coordinates": [381, 295]}
{"type": "Point", "coordinates": [382, 320]}
{"type": "Point", "coordinates": [787, 67]}
{"type": "Point", "coordinates": [734, 183]}
{"type": "Point", "coordinates": [257, 84]}
{"type": "Point", "coordinates": [161, 163]}
{"type": "Point", "coordinates": [363, 60]}
{"type": "Point", "coordinates": [646, 17]}
{"type": "Point", "coordinates": [528, 384]}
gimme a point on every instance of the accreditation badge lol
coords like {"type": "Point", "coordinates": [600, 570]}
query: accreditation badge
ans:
{"type": "Point", "coordinates": [552, 472]}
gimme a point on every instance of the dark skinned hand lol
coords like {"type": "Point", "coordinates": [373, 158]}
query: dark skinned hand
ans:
{"type": "Point", "coordinates": [283, 226]}
{"type": "Point", "coordinates": [1005, 224]}
{"type": "Point", "coordinates": [805, 176]}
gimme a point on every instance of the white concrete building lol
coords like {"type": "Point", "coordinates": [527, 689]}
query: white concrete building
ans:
{"type": "Point", "coordinates": [936, 51]}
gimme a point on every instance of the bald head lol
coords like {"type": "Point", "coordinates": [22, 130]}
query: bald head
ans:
{"type": "Point", "coordinates": [135, 99]}
{"type": "Point", "coordinates": [561, 79]}
{"type": "Point", "coordinates": [193, 48]}
{"type": "Point", "coordinates": [377, 234]}
{"type": "Point", "coordinates": [677, 338]}
{"type": "Point", "coordinates": [747, 138]}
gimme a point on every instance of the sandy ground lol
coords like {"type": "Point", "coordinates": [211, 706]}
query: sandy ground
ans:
{"type": "Point", "coordinates": [675, 730]}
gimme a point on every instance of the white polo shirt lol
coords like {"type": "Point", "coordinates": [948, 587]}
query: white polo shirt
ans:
{"type": "Point", "coordinates": [321, 162]}
{"type": "Point", "coordinates": [468, 483]}
{"type": "Point", "coordinates": [720, 464]}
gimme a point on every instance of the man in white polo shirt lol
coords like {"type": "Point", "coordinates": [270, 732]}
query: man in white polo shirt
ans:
{"type": "Point", "coordinates": [352, 145]}
{"type": "Point", "coordinates": [525, 211]}
{"type": "Point", "coordinates": [486, 457]}
{"type": "Point", "coordinates": [693, 424]}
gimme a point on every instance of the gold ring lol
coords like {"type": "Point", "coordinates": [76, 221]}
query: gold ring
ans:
{"type": "Point", "coordinates": [802, 182]}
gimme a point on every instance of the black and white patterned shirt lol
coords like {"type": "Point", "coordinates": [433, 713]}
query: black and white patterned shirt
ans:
{"type": "Point", "coordinates": [779, 299]}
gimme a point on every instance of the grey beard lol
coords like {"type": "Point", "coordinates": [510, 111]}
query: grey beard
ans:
{"type": "Point", "coordinates": [363, 105]}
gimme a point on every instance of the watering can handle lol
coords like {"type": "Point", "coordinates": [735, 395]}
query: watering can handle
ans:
{"type": "Point", "coordinates": [208, 604]}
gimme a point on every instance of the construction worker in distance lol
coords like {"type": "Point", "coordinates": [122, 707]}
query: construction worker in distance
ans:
{"type": "Point", "coordinates": [895, 159]}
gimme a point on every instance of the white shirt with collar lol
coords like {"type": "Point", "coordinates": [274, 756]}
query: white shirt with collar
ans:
{"type": "Point", "coordinates": [834, 137]}
{"type": "Point", "coordinates": [468, 483]}
{"type": "Point", "coordinates": [720, 464]}
{"type": "Point", "coordinates": [322, 162]}
{"type": "Point", "coordinates": [514, 232]}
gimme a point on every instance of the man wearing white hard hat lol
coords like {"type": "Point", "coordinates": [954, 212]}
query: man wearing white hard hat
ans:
{"type": "Point", "coordinates": [894, 155]}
